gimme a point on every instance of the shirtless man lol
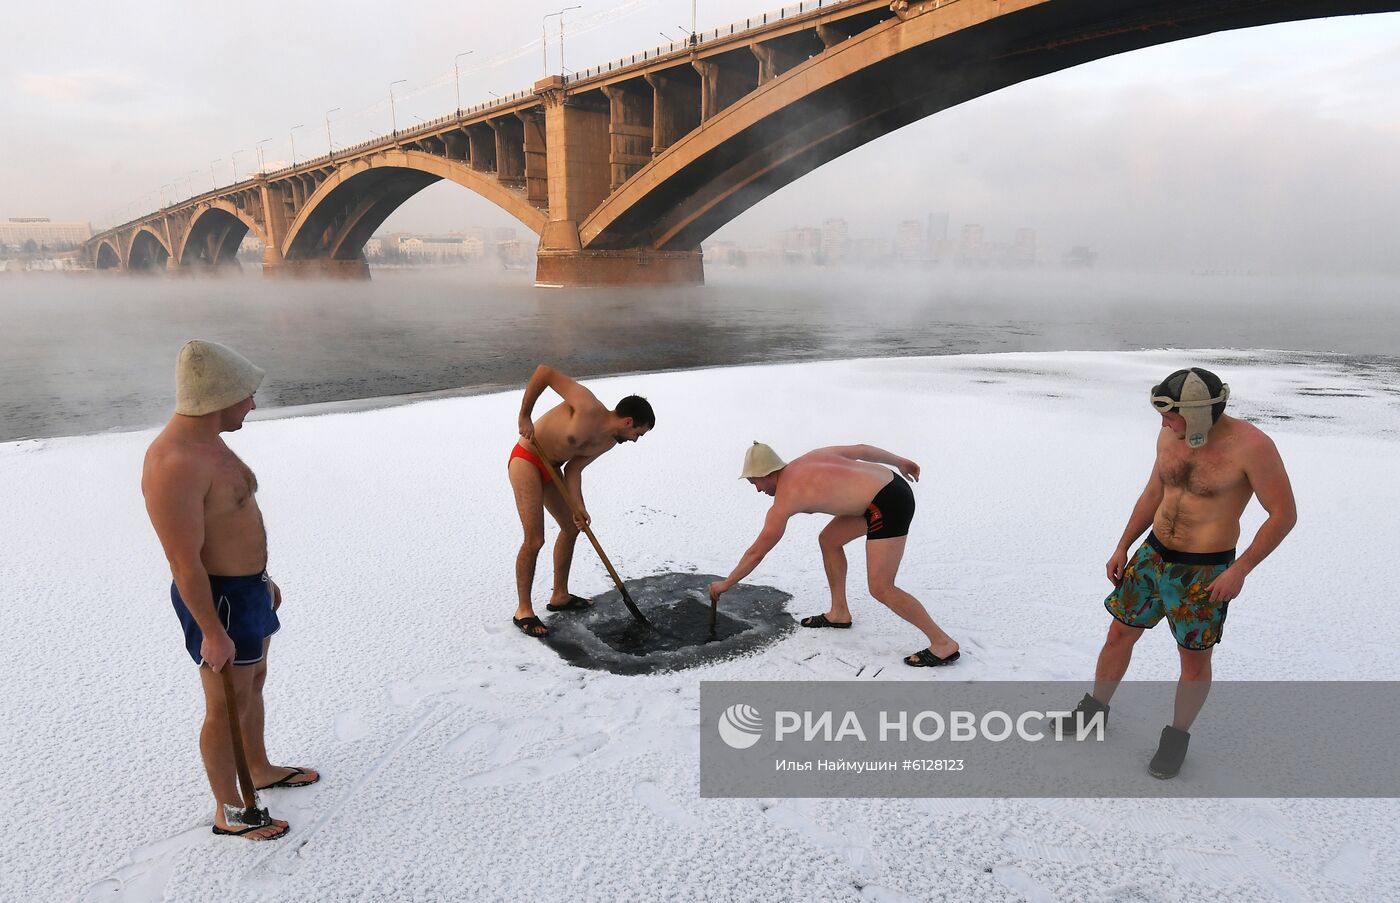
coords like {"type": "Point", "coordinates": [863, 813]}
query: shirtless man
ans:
{"type": "Point", "coordinates": [867, 500]}
{"type": "Point", "coordinates": [1187, 571]}
{"type": "Point", "coordinates": [200, 499]}
{"type": "Point", "coordinates": [572, 435]}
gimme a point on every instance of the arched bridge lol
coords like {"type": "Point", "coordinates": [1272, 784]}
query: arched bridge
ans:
{"type": "Point", "coordinates": [625, 168]}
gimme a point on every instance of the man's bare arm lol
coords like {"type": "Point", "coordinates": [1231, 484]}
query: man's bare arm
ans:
{"type": "Point", "coordinates": [573, 482]}
{"type": "Point", "coordinates": [1144, 512]}
{"type": "Point", "coordinates": [774, 526]}
{"type": "Point", "coordinates": [175, 487]}
{"type": "Point", "coordinates": [876, 456]}
{"type": "Point", "coordinates": [1275, 493]}
{"type": "Point", "coordinates": [546, 377]}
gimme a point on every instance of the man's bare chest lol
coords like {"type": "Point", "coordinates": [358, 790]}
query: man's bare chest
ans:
{"type": "Point", "coordinates": [233, 486]}
{"type": "Point", "coordinates": [1205, 475]}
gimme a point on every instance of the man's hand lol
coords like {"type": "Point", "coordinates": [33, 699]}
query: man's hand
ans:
{"type": "Point", "coordinates": [1116, 565]}
{"type": "Point", "coordinates": [276, 595]}
{"type": "Point", "coordinates": [1228, 585]}
{"type": "Point", "coordinates": [909, 469]}
{"type": "Point", "coordinates": [582, 519]}
{"type": "Point", "coordinates": [216, 650]}
{"type": "Point", "coordinates": [527, 427]}
{"type": "Point", "coordinates": [719, 588]}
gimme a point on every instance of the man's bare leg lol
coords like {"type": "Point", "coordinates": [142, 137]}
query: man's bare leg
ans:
{"type": "Point", "coordinates": [882, 558]}
{"type": "Point", "coordinates": [833, 539]}
{"type": "Point", "coordinates": [528, 486]}
{"type": "Point", "coordinates": [216, 747]}
{"type": "Point", "coordinates": [1193, 687]}
{"type": "Point", "coordinates": [564, 545]}
{"type": "Point", "coordinates": [1114, 658]}
{"type": "Point", "coordinates": [254, 741]}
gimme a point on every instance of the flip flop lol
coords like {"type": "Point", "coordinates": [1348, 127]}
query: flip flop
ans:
{"type": "Point", "coordinates": [821, 621]}
{"type": "Point", "coordinates": [575, 603]}
{"type": "Point", "coordinates": [529, 625]}
{"type": "Point", "coordinates": [288, 782]}
{"type": "Point", "coordinates": [925, 658]}
{"type": "Point", "coordinates": [223, 832]}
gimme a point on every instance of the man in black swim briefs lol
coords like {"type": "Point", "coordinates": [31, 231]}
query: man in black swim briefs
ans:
{"type": "Point", "coordinates": [202, 503]}
{"type": "Point", "coordinates": [865, 499]}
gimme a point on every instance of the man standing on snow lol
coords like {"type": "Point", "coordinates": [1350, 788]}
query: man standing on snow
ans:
{"type": "Point", "coordinates": [1187, 571]}
{"type": "Point", "coordinates": [201, 500]}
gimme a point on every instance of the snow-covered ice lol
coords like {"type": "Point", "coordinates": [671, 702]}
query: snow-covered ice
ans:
{"type": "Point", "coordinates": [462, 760]}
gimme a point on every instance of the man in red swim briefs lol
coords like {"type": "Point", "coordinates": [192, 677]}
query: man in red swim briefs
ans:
{"type": "Point", "coordinates": [571, 435]}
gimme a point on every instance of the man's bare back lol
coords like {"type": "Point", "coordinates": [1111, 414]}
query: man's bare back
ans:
{"type": "Point", "coordinates": [824, 482]}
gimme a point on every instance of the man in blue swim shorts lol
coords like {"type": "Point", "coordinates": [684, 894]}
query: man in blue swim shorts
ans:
{"type": "Point", "coordinates": [201, 500]}
{"type": "Point", "coordinates": [1208, 467]}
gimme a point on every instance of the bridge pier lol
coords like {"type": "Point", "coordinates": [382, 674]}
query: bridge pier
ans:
{"type": "Point", "coordinates": [633, 266]}
{"type": "Point", "coordinates": [317, 268]}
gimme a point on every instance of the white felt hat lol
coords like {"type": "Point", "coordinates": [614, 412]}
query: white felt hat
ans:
{"type": "Point", "coordinates": [210, 377]}
{"type": "Point", "coordinates": [760, 461]}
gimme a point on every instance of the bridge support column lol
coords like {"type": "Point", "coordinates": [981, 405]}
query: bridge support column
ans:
{"type": "Point", "coordinates": [317, 268]}
{"type": "Point", "coordinates": [275, 222]}
{"type": "Point", "coordinates": [621, 267]}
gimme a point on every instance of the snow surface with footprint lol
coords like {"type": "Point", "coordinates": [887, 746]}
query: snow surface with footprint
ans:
{"type": "Point", "coordinates": [461, 760]}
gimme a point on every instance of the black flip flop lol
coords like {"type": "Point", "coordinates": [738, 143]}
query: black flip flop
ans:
{"type": "Point", "coordinates": [223, 832]}
{"type": "Point", "coordinates": [925, 658]}
{"type": "Point", "coordinates": [528, 625]}
{"type": "Point", "coordinates": [575, 603]}
{"type": "Point", "coordinates": [821, 621]}
{"type": "Point", "coordinates": [287, 781]}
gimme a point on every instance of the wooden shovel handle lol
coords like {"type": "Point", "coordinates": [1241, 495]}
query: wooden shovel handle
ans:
{"type": "Point", "coordinates": [235, 729]}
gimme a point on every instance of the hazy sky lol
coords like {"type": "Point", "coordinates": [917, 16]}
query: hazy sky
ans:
{"type": "Point", "coordinates": [1270, 148]}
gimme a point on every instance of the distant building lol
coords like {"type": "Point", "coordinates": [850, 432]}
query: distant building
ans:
{"type": "Point", "coordinates": [909, 243]}
{"type": "Point", "coordinates": [1080, 257]}
{"type": "Point", "coordinates": [44, 233]}
{"type": "Point", "coordinates": [972, 247]}
{"type": "Point", "coordinates": [937, 227]}
{"type": "Point", "coordinates": [1023, 251]}
{"type": "Point", "coordinates": [835, 240]}
{"type": "Point", "coordinates": [374, 249]}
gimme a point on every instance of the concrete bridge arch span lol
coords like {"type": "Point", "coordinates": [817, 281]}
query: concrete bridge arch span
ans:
{"type": "Point", "coordinates": [930, 56]}
{"type": "Point", "coordinates": [106, 256]}
{"type": "Point", "coordinates": [345, 210]}
{"type": "Point", "coordinates": [214, 233]}
{"type": "Point", "coordinates": [147, 251]}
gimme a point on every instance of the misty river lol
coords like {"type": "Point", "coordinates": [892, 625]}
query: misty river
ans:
{"type": "Point", "coordinates": [96, 352]}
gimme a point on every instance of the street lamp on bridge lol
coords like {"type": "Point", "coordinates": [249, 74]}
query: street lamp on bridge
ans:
{"type": "Point", "coordinates": [189, 180]}
{"type": "Point", "coordinates": [233, 161]}
{"type": "Point", "coordinates": [393, 116]}
{"type": "Point", "coordinates": [544, 38]}
{"type": "Point", "coordinates": [262, 166]}
{"type": "Point", "coordinates": [292, 136]}
{"type": "Point", "coordinates": [330, 147]}
{"type": "Point", "coordinates": [457, 73]}
{"type": "Point", "coordinates": [213, 182]}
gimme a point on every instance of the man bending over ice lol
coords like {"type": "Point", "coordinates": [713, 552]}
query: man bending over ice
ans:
{"type": "Point", "coordinates": [571, 435]}
{"type": "Point", "coordinates": [865, 499]}
{"type": "Point", "coordinates": [1187, 571]}
{"type": "Point", "coordinates": [201, 501]}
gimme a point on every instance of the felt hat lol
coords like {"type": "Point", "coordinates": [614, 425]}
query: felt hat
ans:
{"type": "Point", "coordinates": [210, 377]}
{"type": "Point", "coordinates": [760, 461]}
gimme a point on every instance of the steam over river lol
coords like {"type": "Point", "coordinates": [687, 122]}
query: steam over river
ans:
{"type": "Point", "coordinates": [87, 354]}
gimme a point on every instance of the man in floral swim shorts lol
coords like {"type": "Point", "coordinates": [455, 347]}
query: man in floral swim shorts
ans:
{"type": "Point", "coordinates": [1187, 570]}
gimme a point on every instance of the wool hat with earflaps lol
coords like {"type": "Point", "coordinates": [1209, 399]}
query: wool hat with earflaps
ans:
{"type": "Point", "coordinates": [1198, 396]}
{"type": "Point", "coordinates": [760, 461]}
{"type": "Point", "coordinates": [210, 377]}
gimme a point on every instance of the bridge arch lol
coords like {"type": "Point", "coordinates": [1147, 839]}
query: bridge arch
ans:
{"type": "Point", "coordinates": [214, 235]}
{"type": "Point", "coordinates": [346, 209]}
{"type": "Point", "coordinates": [881, 79]}
{"type": "Point", "coordinates": [107, 257]}
{"type": "Point", "coordinates": [147, 251]}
